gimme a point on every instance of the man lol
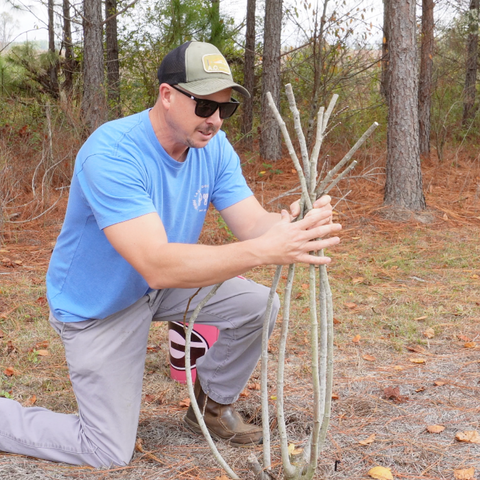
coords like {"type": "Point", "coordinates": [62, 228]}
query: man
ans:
{"type": "Point", "coordinates": [128, 254]}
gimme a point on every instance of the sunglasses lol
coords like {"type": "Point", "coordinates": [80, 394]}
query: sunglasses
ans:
{"type": "Point", "coordinates": [206, 108]}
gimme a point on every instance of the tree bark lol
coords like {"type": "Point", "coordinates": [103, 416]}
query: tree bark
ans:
{"type": "Point", "coordinates": [94, 105]}
{"type": "Point", "coordinates": [216, 25]}
{"type": "Point", "coordinates": [249, 76]}
{"type": "Point", "coordinates": [53, 66]}
{"type": "Point", "coordinates": [385, 55]}
{"type": "Point", "coordinates": [270, 142]}
{"type": "Point", "coordinates": [69, 64]}
{"type": "Point", "coordinates": [426, 76]}
{"type": "Point", "coordinates": [472, 63]}
{"type": "Point", "coordinates": [403, 188]}
{"type": "Point", "coordinates": [113, 66]}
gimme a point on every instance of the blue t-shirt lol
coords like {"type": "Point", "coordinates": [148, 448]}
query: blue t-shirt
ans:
{"type": "Point", "coordinates": [122, 172]}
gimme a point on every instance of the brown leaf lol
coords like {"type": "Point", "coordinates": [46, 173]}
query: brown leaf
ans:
{"type": "Point", "coordinates": [30, 402]}
{"type": "Point", "coordinates": [245, 393]}
{"type": "Point", "coordinates": [424, 317]}
{"type": "Point", "coordinates": [435, 428]}
{"type": "Point", "coordinates": [369, 358]}
{"type": "Point", "coordinates": [368, 440]}
{"type": "Point", "coordinates": [350, 305]}
{"type": "Point", "coordinates": [41, 300]}
{"type": "Point", "coordinates": [393, 393]}
{"type": "Point", "coordinates": [43, 353]}
{"type": "Point", "coordinates": [357, 280]}
{"type": "Point", "coordinates": [254, 386]}
{"type": "Point", "coordinates": [464, 473]}
{"type": "Point", "coordinates": [41, 345]}
{"type": "Point", "coordinates": [469, 344]}
{"type": "Point", "coordinates": [471, 436]}
{"type": "Point", "coordinates": [463, 338]}
{"type": "Point", "coordinates": [417, 360]}
{"type": "Point", "coordinates": [429, 333]}
{"type": "Point", "coordinates": [9, 371]}
{"type": "Point", "coordinates": [438, 383]}
{"type": "Point", "coordinates": [335, 396]}
{"type": "Point", "coordinates": [380, 473]}
{"type": "Point", "coordinates": [356, 339]}
{"type": "Point", "coordinates": [184, 403]}
{"type": "Point", "coordinates": [336, 321]}
{"type": "Point", "coordinates": [149, 398]}
{"type": "Point", "coordinates": [416, 349]}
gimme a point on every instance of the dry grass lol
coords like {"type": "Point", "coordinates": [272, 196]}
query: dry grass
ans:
{"type": "Point", "coordinates": [392, 282]}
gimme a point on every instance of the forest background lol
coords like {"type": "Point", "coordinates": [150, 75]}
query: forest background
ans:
{"type": "Point", "coordinates": [405, 278]}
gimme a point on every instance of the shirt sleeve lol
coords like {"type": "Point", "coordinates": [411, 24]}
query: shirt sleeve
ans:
{"type": "Point", "coordinates": [230, 184]}
{"type": "Point", "coordinates": [115, 189]}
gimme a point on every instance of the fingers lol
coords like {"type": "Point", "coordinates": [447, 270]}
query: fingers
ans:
{"type": "Point", "coordinates": [321, 202]}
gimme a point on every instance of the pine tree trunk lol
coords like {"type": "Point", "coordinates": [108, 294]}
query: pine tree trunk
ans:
{"type": "Point", "coordinates": [53, 66]}
{"type": "Point", "coordinates": [94, 105]}
{"type": "Point", "coordinates": [425, 79]}
{"type": "Point", "coordinates": [385, 56]}
{"type": "Point", "coordinates": [270, 141]}
{"type": "Point", "coordinates": [69, 64]}
{"type": "Point", "coordinates": [403, 188]}
{"type": "Point", "coordinates": [249, 76]}
{"type": "Point", "coordinates": [113, 66]}
{"type": "Point", "coordinates": [472, 64]}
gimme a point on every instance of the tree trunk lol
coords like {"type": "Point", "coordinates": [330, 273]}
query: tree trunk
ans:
{"type": "Point", "coordinates": [385, 47]}
{"type": "Point", "coordinates": [426, 77]}
{"type": "Point", "coordinates": [113, 66]}
{"type": "Point", "coordinates": [249, 76]}
{"type": "Point", "coordinates": [53, 65]}
{"type": "Point", "coordinates": [270, 142]}
{"type": "Point", "coordinates": [403, 188]}
{"type": "Point", "coordinates": [69, 64]}
{"type": "Point", "coordinates": [216, 25]}
{"type": "Point", "coordinates": [472, 63]}
{"type": "Point", "coordinates": [94, 106]}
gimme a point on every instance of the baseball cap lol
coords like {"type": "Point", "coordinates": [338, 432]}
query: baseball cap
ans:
{"type": "Point", "coordinates": [199, 68]}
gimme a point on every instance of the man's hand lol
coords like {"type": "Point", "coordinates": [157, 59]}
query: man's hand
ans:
{"type": "Point", "coordinates": [288, 242]}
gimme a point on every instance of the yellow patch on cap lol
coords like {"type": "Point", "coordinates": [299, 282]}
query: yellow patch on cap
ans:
{"type": "Point", "coordinates": [215, 63]}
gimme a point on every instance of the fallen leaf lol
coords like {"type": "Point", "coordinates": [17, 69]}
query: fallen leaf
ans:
{"type": "Point", "coordinates": [435, 428]}
{"type": "Point", "coordinates": [429, 333]}
{"type": "Point", "coordinates": [1, 334]}
{"type": "Point", "coordinates": [417, 360]}
{"type": "Point", "coordinates": [336, 321]}
{"type": "Point", "coordinates": [350, 305]}
{"type": "Point", "coordinates": [358, 280]}
{"type": "Point", "coordinates": [335, 396]}
{"type": "Point", "coordinates": [471, 436]}
{"type": "Point", "coordinates": [464, 473]}
{"type": "Point", "coordinates": [445, 217]}
{"type": "Point", "coordinates": [368, 440]}
{"type": "Point", "coordinates": [421, 389]}
{"type": "Point", "coordinates": [245, 393]}
{"type": "Point", "coordinates": [421, 318]}
{"type": "Point", "coordinates": [369, 358]}
{"type": "Point", "coordinates": [17, 262]}
{"type": "Point", "coordinates": [469, 344]}
{"type": "Point", "coordinates": [416, 349]}
{"type": "Point", "coordinates": [149, 398]}
{"type": "Point", "coordinates": [30, 402]}
{"type": "Point", "coordinates": [398, 367]}
{"type": "Point", "coordinates": [293, 450]}
{"type": "Point", "coordinates": [41, 345]}
{"type": "Point", "coordinates": [9, 371]}
{"type": "Point", "coordinates": [254, 386]}
{"type": "Point", "coordinates": [463, 338]}
{"type": "Point", "coordinates": [393, 393]}
{"type": "Point", "coordinates": [475, 276]}
{"type": "Point", "coordinates": [184, 403]}
{"type": "Point", "coordinates": [43, 353]}
{"type": "Point", "coordinates": [438, 383]}
{"type": "Point", "coordinates": [356, 338]}
{"type": "Point", "coordinates": [381, 473]}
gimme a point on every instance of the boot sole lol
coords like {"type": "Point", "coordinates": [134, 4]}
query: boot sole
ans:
{"type": "Point", "coordinates": [195, 428]}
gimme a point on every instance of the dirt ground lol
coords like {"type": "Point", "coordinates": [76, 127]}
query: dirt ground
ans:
{"type": "Point", "coordinates": [406, 348]}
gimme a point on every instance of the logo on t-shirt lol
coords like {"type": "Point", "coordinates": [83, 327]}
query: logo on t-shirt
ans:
{"type": "Point", "coordinates": [200, 200]}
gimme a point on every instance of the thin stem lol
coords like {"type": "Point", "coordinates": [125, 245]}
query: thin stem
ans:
{"type": "Point", "coordinates": [191, 392]}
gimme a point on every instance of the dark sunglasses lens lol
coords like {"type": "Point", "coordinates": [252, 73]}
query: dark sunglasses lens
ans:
{"type": "Point", "coordinates": [205, 108]}
{"type": "Point", "coordinates": [227, 110]}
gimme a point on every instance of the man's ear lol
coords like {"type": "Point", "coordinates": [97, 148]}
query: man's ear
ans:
{"type": "Point", "coordinates": [165, 95]}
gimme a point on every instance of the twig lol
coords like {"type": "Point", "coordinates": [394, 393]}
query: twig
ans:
{"type": "Point", "coordinates": [191, 392]}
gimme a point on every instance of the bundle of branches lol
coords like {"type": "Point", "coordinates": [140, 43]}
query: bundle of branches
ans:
{"type": "Point", "coordinates": [321, 314]}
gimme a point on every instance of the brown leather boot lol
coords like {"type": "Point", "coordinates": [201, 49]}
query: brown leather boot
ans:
{"type": "Point", "coordinates": [223, 421]}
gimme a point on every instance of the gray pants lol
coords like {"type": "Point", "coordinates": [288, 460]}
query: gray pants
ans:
{"type": "Point", "coordinates": [106, 361]}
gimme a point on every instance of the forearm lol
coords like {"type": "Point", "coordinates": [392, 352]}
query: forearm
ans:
{"type": "Point", "coordinates": [177, 265]}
